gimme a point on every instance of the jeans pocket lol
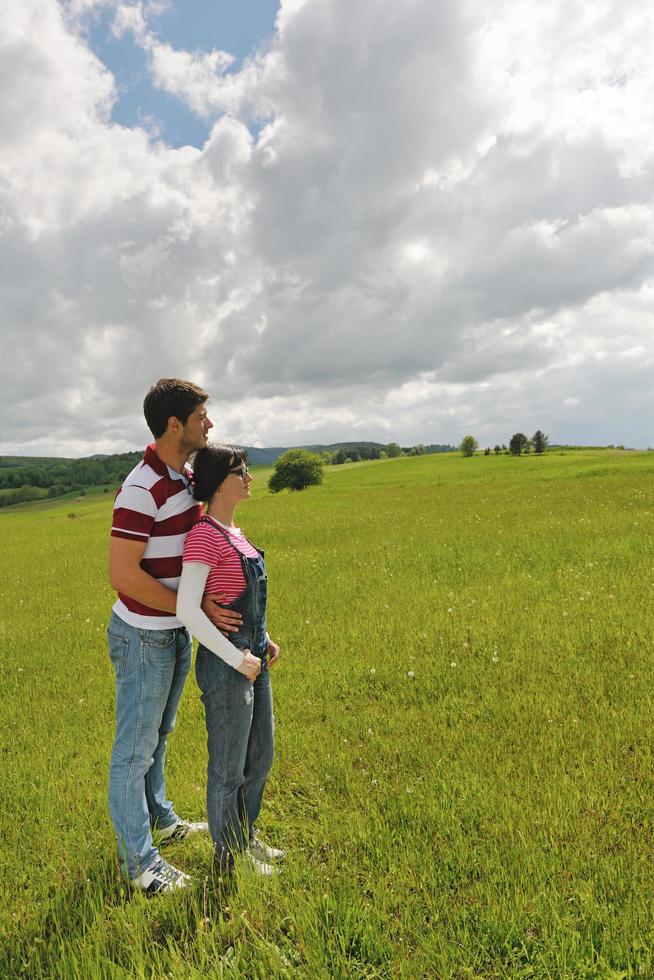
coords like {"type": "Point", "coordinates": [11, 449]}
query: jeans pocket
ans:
{"type": "Point", "coordinates": [157, 638]}
{"type": "Point", "coordinates": [118, 652]}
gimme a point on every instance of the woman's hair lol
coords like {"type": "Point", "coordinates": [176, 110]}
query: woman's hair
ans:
{"type": "Point", "coordinates": [210, 467]}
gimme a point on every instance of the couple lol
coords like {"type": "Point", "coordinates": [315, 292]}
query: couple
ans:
{"type": "Point", "coordinates": [174, 568]}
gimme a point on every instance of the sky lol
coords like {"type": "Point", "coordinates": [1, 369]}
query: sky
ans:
{"type": "Point", "coordinates": [396, 222]}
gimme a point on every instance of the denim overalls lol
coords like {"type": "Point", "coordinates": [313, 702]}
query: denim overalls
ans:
{"type": "Point", "coordinates": [239, 717]}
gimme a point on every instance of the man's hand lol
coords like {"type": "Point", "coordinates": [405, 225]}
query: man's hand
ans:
{"type": "Point", "coordinates": [226, 620]}
{"type": "Point", "coordinates": [250, 666]}
{"type": "Point", "coordinates": [273, 653]}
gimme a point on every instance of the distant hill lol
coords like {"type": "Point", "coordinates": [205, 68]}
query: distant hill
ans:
{"type": "Point", "coordinates": [35, 477]}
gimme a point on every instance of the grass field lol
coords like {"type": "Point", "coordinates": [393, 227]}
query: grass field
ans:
{"type": "Point", "coordinates": [464, 776]}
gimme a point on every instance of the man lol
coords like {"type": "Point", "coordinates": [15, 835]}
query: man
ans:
{"type": "Point", "coordinates": [150, 649]}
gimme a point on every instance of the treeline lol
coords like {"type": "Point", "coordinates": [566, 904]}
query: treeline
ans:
{"type": "Point", "coordinates": [355, 453]}
{"type": "Point", "coordinates": [34, 479]}
{"type": "Point", "coordinates": [519, 445]}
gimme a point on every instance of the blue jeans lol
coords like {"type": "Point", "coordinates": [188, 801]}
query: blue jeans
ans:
{"type": "Point", "coordinates": [240, 736]}
{"type": "Point", "coordinates": [150, 667]}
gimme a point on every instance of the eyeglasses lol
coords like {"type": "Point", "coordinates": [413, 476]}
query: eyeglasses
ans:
{"type": "Point", "coordinates": [241, 470]}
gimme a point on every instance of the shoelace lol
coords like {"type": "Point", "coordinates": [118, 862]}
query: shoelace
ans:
{"type": "Point", "coordinates": [165, 873]}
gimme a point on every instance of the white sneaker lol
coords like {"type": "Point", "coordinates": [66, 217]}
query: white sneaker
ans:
{"type": "Point", "coordinates": [160, 877]}
{"type": "Point", "coordinates": [264, 852]}
{"type": "Point", "coordinates": [178, 831]}
{"type": "Point", "coordinates": [260, 867]}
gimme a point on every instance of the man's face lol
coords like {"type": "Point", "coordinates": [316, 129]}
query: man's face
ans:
{"type": "Point", "coordinates": [195, 432]}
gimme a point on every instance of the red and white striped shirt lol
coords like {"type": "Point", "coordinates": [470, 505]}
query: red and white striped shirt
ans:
{"type": "Point", "coordinates": [207, 544]}
{"type": "Point", "coordinates": [154, 505]}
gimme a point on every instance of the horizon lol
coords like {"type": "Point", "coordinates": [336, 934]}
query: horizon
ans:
{"type": "Point", "coordinates": [454, 448]}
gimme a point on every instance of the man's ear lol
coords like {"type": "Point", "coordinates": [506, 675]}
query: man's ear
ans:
{"type": "Point", "coordinates": [174, 425]}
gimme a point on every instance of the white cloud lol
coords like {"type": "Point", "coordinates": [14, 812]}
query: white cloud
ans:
{"type": "Point", "coordinates": [443, 225]}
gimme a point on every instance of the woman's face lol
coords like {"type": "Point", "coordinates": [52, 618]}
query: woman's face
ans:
{"type": "Point", "coordinates": [236, 485]}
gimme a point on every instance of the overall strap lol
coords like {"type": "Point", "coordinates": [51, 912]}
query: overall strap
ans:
{"type": "Point", "coordinates": [212, 523]}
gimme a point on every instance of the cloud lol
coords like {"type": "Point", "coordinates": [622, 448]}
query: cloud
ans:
{"type": "Point", "coordinates": [405, 227]}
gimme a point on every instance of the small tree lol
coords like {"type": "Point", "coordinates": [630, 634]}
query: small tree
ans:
{"type": "Point", "coordinates": [393, 450]}
{"type": "Point", "coordinates": [498, 449]}
{"type": "Point", "coordinates": [539, 441]}
{"type": "Point", "coordinates": [295, 469]}
{"type": "Point", "coordinates": [518, 443]}
{"type": "Point", "coordinates": [468, 446]}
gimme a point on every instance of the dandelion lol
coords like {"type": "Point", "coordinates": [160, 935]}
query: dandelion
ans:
{"type": "Point", "coordinates": [495, 658]}
{"type": "Point", "coordinates": [372, 670]}
{"type": "Point", "coordinates": [453, 664]}
{"type": "Point", "coordinates": [450, 610]}
{"type": "Point", "coordinates": [370, 731]}
{"type": "Point", "coordinates": [410, 674]}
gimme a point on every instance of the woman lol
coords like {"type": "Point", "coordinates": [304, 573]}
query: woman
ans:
{"type": "Point", "coordinates": [232, 672]}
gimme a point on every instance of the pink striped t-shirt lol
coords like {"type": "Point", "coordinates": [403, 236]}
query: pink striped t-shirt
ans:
{"type": "Point", "coordinates": [207, 544]}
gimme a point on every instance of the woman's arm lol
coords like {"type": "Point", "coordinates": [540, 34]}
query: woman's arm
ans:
{"type": "Point", "coordinates": [189, 611]}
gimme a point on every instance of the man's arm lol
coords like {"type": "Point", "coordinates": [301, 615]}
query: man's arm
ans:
{"type": "Point", "coordinates": [127, 576]}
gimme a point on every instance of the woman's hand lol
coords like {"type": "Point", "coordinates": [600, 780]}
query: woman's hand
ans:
{"type": "Point", "coordinates": [273, 653]}
{"type": "Point", "coordinates": [250, 666]}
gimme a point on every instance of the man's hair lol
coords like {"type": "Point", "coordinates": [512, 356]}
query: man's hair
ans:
{"type": "Point", "coordinates": [210, 467]}
{"type": "Point", "coordinates": [171, 397]}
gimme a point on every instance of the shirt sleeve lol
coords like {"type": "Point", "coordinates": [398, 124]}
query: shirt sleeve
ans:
{"type": "Point", "coordinates": [189, 611]}
{"type": "Point", "coordinates": [134, 513]}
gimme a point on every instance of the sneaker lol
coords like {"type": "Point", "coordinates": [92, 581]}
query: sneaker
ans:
{"type": "Point", "coordinates": [260, 867]}
{"type": "Point", "coordinates": [179, 831]}
{"type": "Point", "coordinates": [160, 877]}
{"type": "Point", "coordinates": [264, 852]}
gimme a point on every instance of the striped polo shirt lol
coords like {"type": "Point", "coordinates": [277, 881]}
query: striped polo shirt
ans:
{"type": "Point", "coordinates": [208, 545]}
{"type": "Point", "coordinates": [153, 505]}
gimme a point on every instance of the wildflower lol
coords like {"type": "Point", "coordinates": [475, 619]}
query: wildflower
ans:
{"type": "Point", "coordinates": [372, 670]}
{"type": "Point", "coordinates": [411, 674]}
{"type": "Point", "coordinates": [453, 664]}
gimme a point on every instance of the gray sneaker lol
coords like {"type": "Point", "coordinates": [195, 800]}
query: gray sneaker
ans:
{"type": "Point", "coordinates": [260, 867]}
{"type": "Point", "coordinates": [264, 852]}
{"type": "Point", "coordinates": [179, 831]}
{"type": "Point", "coordinates": [160, 878]}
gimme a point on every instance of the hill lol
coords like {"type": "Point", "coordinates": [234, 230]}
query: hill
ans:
{"type": "Point", "coordinates": [26, 478]}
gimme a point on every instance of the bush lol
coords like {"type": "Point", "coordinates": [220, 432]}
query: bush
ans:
{"type": "Point", "coordinates": [296, 469]}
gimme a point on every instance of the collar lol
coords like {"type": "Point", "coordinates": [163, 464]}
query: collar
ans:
{"type": "Point", "coordinates": [162, 469]}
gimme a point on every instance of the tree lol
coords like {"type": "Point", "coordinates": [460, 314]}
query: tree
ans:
{"type": "Point", "coordinates": [468, 446]}
{"type": "Point", "coordinates": [498, 449]}
{"type": "Point", "coordinates": [518, 443]}
{"type": "Point", "coordinates": [295, 469]}
{"type": "Point", "coordinates": [393, 450]}
{"type": "Point", "coordinates": [539, 441]}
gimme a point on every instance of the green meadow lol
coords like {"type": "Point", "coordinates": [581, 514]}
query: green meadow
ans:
{"type": "Point", "coordinates": [464, 774]}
